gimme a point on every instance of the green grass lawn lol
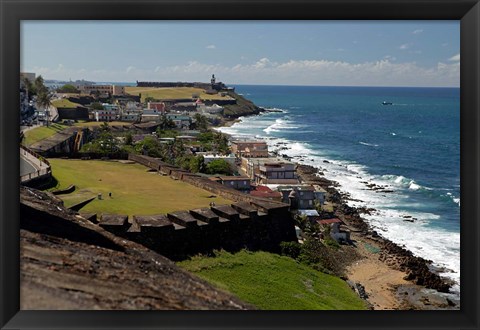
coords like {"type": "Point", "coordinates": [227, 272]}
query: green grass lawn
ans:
{"type": "Point", "coordinates": [65, 103]}
{"type": "Point", "coordinates": [173, 93]}
{"type": "Point", "coordinates": [134, 189]}
{"type": "Point", "coordinates": [273, 282]}
{"type": "Point", "coordinates": [99, 123]}
{"type": "Point", "coordinates": [40, 133]}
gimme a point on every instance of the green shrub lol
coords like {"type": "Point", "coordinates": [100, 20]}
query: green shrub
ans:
{"type": "Point", "coordinates": [319, 256]}
{"type": "Point", "coordinates": [290, 249]}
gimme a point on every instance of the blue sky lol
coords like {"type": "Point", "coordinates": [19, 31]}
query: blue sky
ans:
{"type": "Point", "coordinates": [335, 53]}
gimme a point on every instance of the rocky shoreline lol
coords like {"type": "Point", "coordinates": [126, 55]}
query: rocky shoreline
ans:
{"type": "Point", "coordinates": [418, 271]}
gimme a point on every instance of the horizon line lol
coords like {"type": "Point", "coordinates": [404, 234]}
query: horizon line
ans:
{"type": "Point", "coordinates": [253, 84]}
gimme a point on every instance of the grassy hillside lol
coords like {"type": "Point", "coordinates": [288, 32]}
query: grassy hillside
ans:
{"type": "Point", "coordinates": [172, 93]}
{"type": "Point", "coordinates": [65, 103]}
{"type": "Point", "coordinates": [42, 132]}
{"type": "Point", "coordinates": [243, 107]}
{"type": "Point", "coordinates": [134, 189]}
{"type": "Point", "coordinates": [274, 282]}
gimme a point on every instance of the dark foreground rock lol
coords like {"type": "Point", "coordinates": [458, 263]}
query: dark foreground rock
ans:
{"type": "Point", "coordinates": [66, 262]}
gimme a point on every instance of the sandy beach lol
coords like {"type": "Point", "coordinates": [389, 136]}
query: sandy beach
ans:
{"type": "Point", "coordinates": [380, 280]}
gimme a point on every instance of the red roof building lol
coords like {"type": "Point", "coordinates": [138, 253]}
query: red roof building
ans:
{"type": "Point", "coordinates": [329, 221]}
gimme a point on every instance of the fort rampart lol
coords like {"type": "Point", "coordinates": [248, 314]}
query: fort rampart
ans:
{"type": "Point", "coordinates": [177, 235]}
{"type": "Point", "coordinates": [250, 222]}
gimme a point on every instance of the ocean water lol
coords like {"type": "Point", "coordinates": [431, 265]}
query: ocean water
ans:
{"type": "Point", "coordinates": [411, 147]}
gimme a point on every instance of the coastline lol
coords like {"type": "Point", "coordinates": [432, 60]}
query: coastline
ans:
{"type": "Point", "coordinates": [393, 278]}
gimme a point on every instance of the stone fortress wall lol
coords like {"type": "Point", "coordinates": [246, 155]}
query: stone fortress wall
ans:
{"type": "Point", "coordinates": [250, 222]}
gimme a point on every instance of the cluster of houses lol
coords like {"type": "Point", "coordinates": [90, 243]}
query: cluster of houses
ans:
{"type": "Point", "coordinates": [276, 178]}
{"type": "Point", "coordinates": [270, 177]}
{"type": "Point", "coordinates": [128, 108]}
{"type": "Point", "coordinates": [181, 113]}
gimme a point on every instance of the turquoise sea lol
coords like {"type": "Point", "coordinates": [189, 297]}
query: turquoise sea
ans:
{"type": "Point", "coordinates": [411, 147]}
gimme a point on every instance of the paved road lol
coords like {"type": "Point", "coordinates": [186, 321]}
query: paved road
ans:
{"type": "Point", "coordinates": [26, 167]}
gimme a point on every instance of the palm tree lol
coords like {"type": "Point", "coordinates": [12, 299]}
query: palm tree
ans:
{"type": "Point", "coordinates": [39, 84]}
{"type": "Point", "coordinates": [28, 86]}
{"type": "Point", "coordinates": [44, 100]}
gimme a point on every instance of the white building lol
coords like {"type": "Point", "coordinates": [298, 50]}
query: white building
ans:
{"type": "Point", "coordinates": [150, 115]}
{"type": "Point", "coordinates": [207, 158]}
{"type": "Point", "coordinates": [270, 170]}
{"type": "Point", "coordinates": [212, 109]}
{"type": "Point", "coordinates": [105, 115]}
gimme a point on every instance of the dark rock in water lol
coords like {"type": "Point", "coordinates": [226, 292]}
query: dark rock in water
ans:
{"type": "Point", "coordinates": [418, 268]}
{"type": "Point", "coordinates": [326, 161]}
{"type": "Point", "coordinates": [361, 291]}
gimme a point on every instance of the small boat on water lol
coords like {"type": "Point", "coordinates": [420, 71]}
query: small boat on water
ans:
{"type": "Point", "coordinates": [387, 103]}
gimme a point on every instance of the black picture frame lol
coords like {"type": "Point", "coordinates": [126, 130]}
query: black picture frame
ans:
{"type": "Point", "coordinates": [13, 11]}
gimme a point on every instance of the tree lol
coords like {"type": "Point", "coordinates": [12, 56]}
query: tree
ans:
{"type": "Point", "coordinates": [197, 164]}
{"type": "Point", "coordinates": [96, 106]}
{"type": "Point", "coordinates": [311, 229]}
{"type": "Point", "coordinates": [219, 166]}
{"type": "Point", "coordinates": [68, 88]}
{"type": "Point", "coordinates": [39, 84]}
{"type": "Point", "coordinates": [129, 138]}
{"type": "Point", "coordinates": [166, 133]}
{"type": "Point", "coordinates": [166, 123]}
{"type": "Point", "coordinates": [201, 122]}
{"type": "Point", "coordinates": [177, 150]}
{"type": "Point", "coordinates": [44, 99]}
{"type": "Point", "coordinates": [105, 143]}
{"type": "Point", "coordinates": [184, 161]}
{"type": "Point", "coordinates": [222, 143]}
{"type": "Point", "coordinates": [150, 146]}
{"type": "Point", "coordinates": [149, 99]}
{"type": "Point", "coordinates": [29, 87]}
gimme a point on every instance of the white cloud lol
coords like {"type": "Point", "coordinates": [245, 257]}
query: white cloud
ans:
{"type": "Point", "coordinates": [211, 47]}
{"type": "Point", "coordinates": [405, 46]}
{"type": "Point", "coordinates": [417, 31]}
{"type": "Point", "coordinates": [455, 58]}
{"type": "Point", "coordinates": [385, 72]}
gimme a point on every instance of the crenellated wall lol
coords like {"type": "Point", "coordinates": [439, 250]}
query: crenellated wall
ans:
{"type": "Point", "coordinates": [177, 235]}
